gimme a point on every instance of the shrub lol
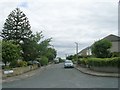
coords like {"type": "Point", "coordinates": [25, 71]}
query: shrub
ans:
{"type": "Point", "coordinates": [22, 64]}
{"type": "Point", "coordinates": [10, 52]}
{"type": "Point", "coordinates": [61, 60]}
{"type": "Point", "coordinates": [43, 60]}
{"type": "Point", "coordinates": [6, 68]}
{"type": "Point", "coordinates": [83, 61]}
{"type": "Point", "coordinates": [114, 62]}
{"type": "Point", "coordinates": [14, 64]}
{"type": "Point", "coordinates": [115, 54]}
{"type": "Point", "coordinates": [101, 48]}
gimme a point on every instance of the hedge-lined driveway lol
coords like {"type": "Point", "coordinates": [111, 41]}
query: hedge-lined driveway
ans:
{"type": "Point", "coordinates": [57, 77]}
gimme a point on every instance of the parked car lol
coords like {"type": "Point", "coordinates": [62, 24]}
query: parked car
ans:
{"type": "Point", "coordinates": [34, 62]}
{"type": "Point", "coordinates": [68, 63]}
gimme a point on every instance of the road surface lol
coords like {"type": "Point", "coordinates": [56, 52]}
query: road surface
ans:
{"type": "Point", "coordinates": [57, 77]}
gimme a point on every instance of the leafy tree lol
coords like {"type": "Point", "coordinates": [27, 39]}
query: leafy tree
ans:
{"type": "Point", "coordinates": [10, 52]}
{"type": "Point", "coordinates": [51, 54]}
{"type": "Point", "coordinates": [30, 47]}
{"type": "Point", "coordinates": [101, 48]}
{"type": "Point", "coordinates": [70, 57]}
{"type": "Point", "coordinates": [34, 48]}
{"type": "Point", "coordinates": [30, 50]}
{"type": "Point", "coordinates": [60, 59]}
{"type": "Point", "coordinates": [43, 46]}
{"type": "Point", "coordinates": [43, 60]}
{"type": "Point", "coordinates": [16, 27]}
{"type": "Point", "coordinates": [45, 49]}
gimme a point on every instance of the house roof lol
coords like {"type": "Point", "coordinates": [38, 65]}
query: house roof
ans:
{"type": "Point", "coordinates": [112, 37]}
{"type": "Point", "coordinates": [84, 49]}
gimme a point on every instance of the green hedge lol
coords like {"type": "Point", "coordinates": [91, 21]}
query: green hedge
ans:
{"type": "Point", "coordinates": [83, 61]}
{"type": "Point", "coordinates": [114, 62]}
{"type": "Point", "coordinates": [115, 54]}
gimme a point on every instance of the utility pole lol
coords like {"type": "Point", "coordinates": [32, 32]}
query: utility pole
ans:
{"type": "Point", "coordinates": [76, 47]}
{"type": "Point", "coordinates": [66, 56]}
{"type": "Point", "coordinates": [76, 51]}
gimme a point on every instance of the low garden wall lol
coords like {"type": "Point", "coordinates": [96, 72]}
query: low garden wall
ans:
{"type": "Point", "coordinates": [105, 69]}
{"type": "Point", "coordinates": [18, 71]}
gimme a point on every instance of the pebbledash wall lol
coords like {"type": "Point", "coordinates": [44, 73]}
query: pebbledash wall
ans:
{"type": "Point", "coordinates": [115, 47]}
{"type": "Point", "coordinates": [105, 69]}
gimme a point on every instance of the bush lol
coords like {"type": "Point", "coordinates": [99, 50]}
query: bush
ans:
{"type": "Point", "coordinates": [14, 64]}
{"type": "Point", "coordinates": [43, 60]}
{"type": "Point", "coordinates": [83, 61]}
{"type": "Point", "coordinates": [22, 64]}
{"type": "Point", "coordinates": [10, 52]}
{"type": "Point", "coordinates": [114, 62]}
{"type": "Point", "coordinates": [85, 56]}
{"type": "Point", "coordinates": [100, 49]}
{"type": "Point", "coordinates": [115, 54]}
{"type": "Point", "coordinates": [60, 60]}
{"type": "Point", "coordinates": [6, 68]}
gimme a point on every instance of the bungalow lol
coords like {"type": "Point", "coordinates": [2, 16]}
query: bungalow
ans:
{"type": "Point", "coordinates": [85, 52]}
{"type": "Point", "coordinates": [115, 40]}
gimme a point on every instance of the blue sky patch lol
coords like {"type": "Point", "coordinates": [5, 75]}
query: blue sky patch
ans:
{"type": "Point", "coordinates": [23, 4]}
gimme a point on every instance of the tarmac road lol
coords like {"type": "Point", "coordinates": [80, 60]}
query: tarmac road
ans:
{"type": "Point", "coordinates": [57, 77]}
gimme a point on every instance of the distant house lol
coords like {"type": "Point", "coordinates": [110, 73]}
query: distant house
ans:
{"type": "Point", "coordinates": [115, 40]}
{"type": "Point", "coordinates": [85, 52]}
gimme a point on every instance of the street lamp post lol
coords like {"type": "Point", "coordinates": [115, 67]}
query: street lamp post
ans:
{"type": "Point", "coordinates": [66, 56]}
{"type": "Point", "coordinates": [76, 51]}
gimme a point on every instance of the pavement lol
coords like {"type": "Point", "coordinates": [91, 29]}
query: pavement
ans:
{"type": "Point", "coordinates": [95, 73]}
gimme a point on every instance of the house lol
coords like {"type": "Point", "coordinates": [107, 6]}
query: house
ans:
{"type": "Point", "coordinates": [85, 52]}
{"type": "Point", "coordinates": [115, 40]}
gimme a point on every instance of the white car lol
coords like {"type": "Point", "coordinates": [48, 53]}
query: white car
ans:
{"type": "Point", "coordinates": [68, 63]}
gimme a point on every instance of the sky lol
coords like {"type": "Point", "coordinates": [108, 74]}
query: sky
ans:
{"type": "Point", "coordinates": [67, 21]}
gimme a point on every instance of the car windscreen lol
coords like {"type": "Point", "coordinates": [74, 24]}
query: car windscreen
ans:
{"type": "Point", "coordinates": [68, 61]}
